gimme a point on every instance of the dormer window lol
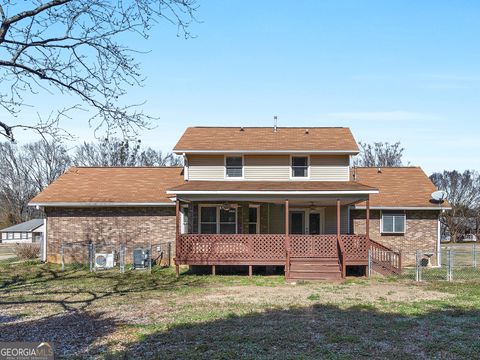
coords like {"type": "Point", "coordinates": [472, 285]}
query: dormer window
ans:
{"type": "Point", "coordinates": [299, 166]}
{"type": "Point", "coordinates": [234, 167]}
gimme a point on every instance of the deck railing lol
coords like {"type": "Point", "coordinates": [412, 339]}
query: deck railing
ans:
{"type": "Point", "coordinates": [384, 260]}
{"type": "Point", "coordinates": [265, 249]}
{"type": "Point", "coordinates": [235, 249]}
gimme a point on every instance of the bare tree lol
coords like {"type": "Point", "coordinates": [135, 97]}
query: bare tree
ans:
{"type": "Point", "coordinates": [379, 154]}
{"type": "Point", "coordinates": [44, 162]}
{"type": "Point", "coordinates": [116, 152]}
{"type": "Point", "coordinates": [27, 170]}
{"type": "Point", "coordinates": [463, 194]}
{"type": "Point", "coordinates": [15, 190]}
{"type": "Point", "coordinates": [79, 48]}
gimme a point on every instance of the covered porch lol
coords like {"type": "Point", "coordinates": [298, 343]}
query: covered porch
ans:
{"type": "Point", "coordinates": [307, 233]}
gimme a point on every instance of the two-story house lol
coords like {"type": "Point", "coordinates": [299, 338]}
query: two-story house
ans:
{"type": "Point", "coordinates": [262, 196]}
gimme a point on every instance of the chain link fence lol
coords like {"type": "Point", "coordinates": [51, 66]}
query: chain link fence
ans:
{"type": "Point", "coordinates": [123, 257]}
{"type": "Point", "coordinates": [452, 263]}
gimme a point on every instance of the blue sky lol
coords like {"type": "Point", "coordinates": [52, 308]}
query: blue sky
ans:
{"type": "Point", "coordinates": [390, 70]}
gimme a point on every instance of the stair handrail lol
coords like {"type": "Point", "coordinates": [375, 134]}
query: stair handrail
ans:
{"type": "Point", "coordinates": [394, 262]}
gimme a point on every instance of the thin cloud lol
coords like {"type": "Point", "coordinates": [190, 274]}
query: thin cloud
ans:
{"type": "Point", "coordinates": [383, 116]}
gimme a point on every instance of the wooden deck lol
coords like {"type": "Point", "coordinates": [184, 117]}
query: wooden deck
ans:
{"type": "Point", "coordinates": [304, 256]}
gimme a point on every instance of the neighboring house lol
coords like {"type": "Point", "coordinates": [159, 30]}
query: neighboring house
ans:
{"type": "Point", "coordinates": [26, 232]}
{"type": "Point", "coordinates": [252, 197]}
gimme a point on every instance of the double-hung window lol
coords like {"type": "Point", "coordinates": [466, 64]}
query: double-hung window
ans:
{"type": "Point", "coordinates": [393, 223]}
{"type": "Point", "coordinates": [234, 167]}
{"type": "Point", "coordinates": [208, 219]}
{"type": "Point", "coordinates": [217, 220]}
{"type": "Point", "coordinates": [299, 166]}
{"type": "Point", "coordinates": [253, 219]}
{"type": "Point", "coordinates": [228, 221]}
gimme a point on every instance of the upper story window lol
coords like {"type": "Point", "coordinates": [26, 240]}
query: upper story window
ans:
{"type": "Point", "coordinates": [393, 223]}
{"type": "Point", "coordinates": [299, 166]}
{"type": "Point", "coordinates": [234, 167]}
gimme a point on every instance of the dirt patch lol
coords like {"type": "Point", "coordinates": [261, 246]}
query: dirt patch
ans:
{"type": "Point", "coordinates": [325, 294]}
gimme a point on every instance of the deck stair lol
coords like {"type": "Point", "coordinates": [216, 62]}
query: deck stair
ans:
{"type": "Point", "coordinates": [314, 269]}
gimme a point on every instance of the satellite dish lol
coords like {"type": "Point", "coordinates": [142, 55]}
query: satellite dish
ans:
{"type": "Point", "coordinates": [439, 196]}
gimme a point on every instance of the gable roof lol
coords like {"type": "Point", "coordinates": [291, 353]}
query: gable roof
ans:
{"type": "Point", "coordinates": [26, 226]}
{"type": "Point", "coordinates": [266, 139]}
{"type": "Point", "coordinates": [103, 186]}
{"type": "Point", "coordinates": [400, 187]}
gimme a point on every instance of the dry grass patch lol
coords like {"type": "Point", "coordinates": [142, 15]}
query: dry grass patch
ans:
{"type": "Point", "coordinates": [141, 315]}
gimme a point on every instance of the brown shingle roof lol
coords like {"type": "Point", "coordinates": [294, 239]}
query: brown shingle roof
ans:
{"type": "Point", "coordinates": [112, 185]}
{"type": "Point", "coordinates": [399, 187]}
{"type": "Point", "coordinates": [271, 186]}
{"type": "Point", "coordinates": [266, 139]}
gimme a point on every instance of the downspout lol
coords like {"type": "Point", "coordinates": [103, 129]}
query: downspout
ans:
{"type": "Point", "coordinates": [44, 240]}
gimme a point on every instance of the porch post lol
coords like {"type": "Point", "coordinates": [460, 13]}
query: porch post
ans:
{"type": "Point", "coordinates": [287, 240]}
{"type": "Point", "coordinates": [338, 218]}
{"type": "Point", "coordinates": [340, 241]}
{"type": "Point", "coordinates": [367, 219]}
{"type": "Point", "coordinates": [177, 235]}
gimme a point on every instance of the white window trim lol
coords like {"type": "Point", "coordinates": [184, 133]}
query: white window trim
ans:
{"type": "Point", "coordinates": [184, 227]}
{"type": "Point", "coordinates": [258, 218]}
{"type": "Point", "coordinates": [225, 177]}
{"type": "Point", "coordinates": [291, 168]}
{"type": "Point", "coordinates": [217, 217]}
{"type": "Point", "coordinates": [393, 232]}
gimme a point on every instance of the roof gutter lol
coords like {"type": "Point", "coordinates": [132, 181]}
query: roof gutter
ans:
{"type": "Point", "coordinates": [239, 151]}
{"type": "Point", "coordinates": [99, 204]}
{"type": "Point", "coordinates": [257, 192]}
{"type": "Point", "coordinates": [402, 208]}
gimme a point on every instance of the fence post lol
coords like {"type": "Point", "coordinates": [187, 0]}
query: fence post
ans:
{"type": "Point", "coordinates": [90, 256]}
{"type": "Point", "coordinates": [93, 259]}
{"type": "Point", "coordinates": [169, 247]}
{"type": "Point", "coordinates": [369, 270]}
{"type": "Point", "coordinates": [474, 246]}
{"type": "Point", "coordinates": [449, 264]}
{"type": "Point", "coordinates": [150, 259]}
{"type": "Point", "coordinates": [62, 252]}
{"type": "Point", "coordinates": [418, 266]}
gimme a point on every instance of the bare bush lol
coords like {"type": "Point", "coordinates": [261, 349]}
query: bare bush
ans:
{"type": "Point", "coordinates": [27, 251]}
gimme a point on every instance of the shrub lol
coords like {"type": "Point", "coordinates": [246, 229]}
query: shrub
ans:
{"type": "Point", "coordinates": [27, 251]}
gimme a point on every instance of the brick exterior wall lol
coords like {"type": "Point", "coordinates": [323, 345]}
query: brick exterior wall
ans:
{"type": "Point", "coordinates": [107, 228]}
{"type": "Point", "coordinates": [420, 234]}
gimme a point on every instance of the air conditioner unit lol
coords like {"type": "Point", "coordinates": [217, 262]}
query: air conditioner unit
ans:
{"type": "Point", "coordinates": [104, 260]}
{"type": "Point", "coordinates": [141, 258]}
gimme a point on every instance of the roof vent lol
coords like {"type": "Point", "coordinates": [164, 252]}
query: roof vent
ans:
{"type": "Point", "coordinates": [275, 118]}
{"type": "Point", "coordinates": [242, 129]}
{"type": "Point", "coordinates": [306, 131]}
{"type": "Point", "coordinates": [379, 170]}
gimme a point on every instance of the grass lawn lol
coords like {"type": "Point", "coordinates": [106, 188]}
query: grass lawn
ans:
{"type": "Point", "coordinates": [140, 315]}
